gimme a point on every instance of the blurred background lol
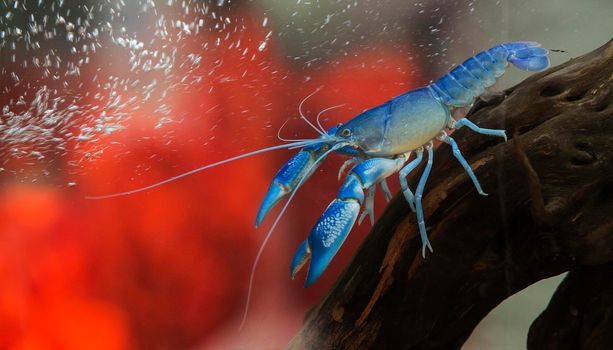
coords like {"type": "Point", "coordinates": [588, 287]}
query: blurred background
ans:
{"type": "Point", "coordinates": [105, 96]}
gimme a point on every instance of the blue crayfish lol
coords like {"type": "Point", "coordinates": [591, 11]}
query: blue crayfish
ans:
{"type": "Point", "coordinates": [381, 140]}
{"type": "Point", "coordinates": [379, 143]}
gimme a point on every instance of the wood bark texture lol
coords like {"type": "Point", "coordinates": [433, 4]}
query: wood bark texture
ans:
{"type": "Point", "coordinates": [549, 210]}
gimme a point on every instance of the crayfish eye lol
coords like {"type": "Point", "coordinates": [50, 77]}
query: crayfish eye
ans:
{"type": "Point", "coordinates": [345, 133]}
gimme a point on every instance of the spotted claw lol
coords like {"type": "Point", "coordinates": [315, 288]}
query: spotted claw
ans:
{"type": "Point", "coordinates": [303, 254]}
{"type": "Point", "coordinates": [329, 233]}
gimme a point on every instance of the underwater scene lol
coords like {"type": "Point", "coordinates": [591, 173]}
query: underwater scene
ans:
{"type": "Point", "coordinates": [306, 174]}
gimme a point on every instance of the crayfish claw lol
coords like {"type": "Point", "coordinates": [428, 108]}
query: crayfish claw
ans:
{"type": "Point", "coordinates": [301, 257]}
{"type": "Point", "coordinates": [298, 169]}
{"type": "Point", "coordinates": [275, 193]}
{"type": "Point", "coordinates": [328, 235]}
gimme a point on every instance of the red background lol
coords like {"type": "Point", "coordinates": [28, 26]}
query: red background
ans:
{"type": "Point", "coordinates": [168, 268]}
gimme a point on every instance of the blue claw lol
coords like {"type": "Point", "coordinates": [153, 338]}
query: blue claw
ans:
{"type": "Point", "coordinates": [288, 177]}
{"type": "Point", "coordinates": [300, 258]}
{"type": "Point", "coordinates": [276, 191]}
{"type": "Point", "coordinates": [326, 238]}
{"type": "Point", "coordinates": [329, 234]}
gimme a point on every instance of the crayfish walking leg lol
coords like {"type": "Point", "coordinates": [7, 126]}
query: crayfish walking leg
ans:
{"type": "Point", "coordinates": [474, 127]}
{"type": "Point", "coordinates": [404, 172]}
{"type": "Point", "coordinates": [418, 207]}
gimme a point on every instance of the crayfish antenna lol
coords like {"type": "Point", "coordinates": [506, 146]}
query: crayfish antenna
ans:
{"type": "Point", "coordinates": [208, 166]}
{"type": "Point", "coordinates": [321, 113]}
{"type": "Point", "coordinates": [321, 132]}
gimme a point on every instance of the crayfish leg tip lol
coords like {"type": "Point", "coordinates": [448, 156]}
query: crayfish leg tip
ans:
{"type": "Point", "coordinates": [423, 249]}
{"type": "Point", "coordinates": [361, 218]}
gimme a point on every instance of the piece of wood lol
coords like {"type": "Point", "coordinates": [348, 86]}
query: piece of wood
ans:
{"type": "Point", "coordinates": [580, 314]}
{"type": "Point", "coordinates": [549, 210]}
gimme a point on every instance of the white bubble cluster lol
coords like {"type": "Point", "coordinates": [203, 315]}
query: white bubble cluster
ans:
{"type": "Point", "coordinates": [74, 71]}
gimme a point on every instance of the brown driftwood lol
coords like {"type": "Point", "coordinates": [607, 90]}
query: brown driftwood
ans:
{"type": "Point", "coordinates": [580, 314]}
{"type": "Point", "coordinates": [549, 210]}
